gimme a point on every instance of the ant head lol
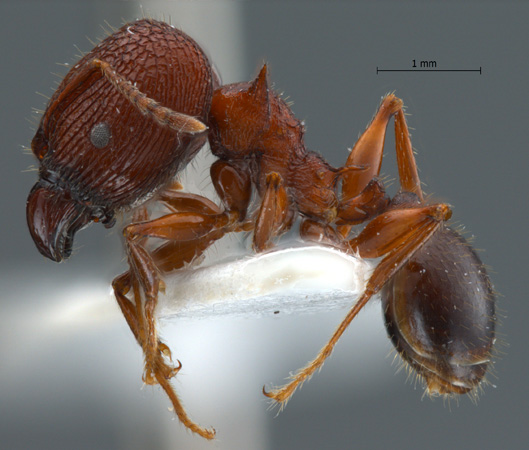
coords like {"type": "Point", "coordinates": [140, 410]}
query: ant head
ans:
{"type": "Point", "coordinates": [240, 113]}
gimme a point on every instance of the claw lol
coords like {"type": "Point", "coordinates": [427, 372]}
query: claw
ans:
{"type": "Point", "coordinates": [174, 370]}
{"type": "Point", "coordinates": [148, 377]}
{"type": "Point", "coordinates": [268, 394]}
{"type": "Point", "coordinates": [280, 396]}
{"type": "Point", "coordinates": [165, 350]}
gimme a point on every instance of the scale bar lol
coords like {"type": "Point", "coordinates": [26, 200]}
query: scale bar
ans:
{"type": "Point", "coordinates": [429, 70]}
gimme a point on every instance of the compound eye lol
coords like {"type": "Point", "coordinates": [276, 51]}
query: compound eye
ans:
{"type": "Point", "coordinates": [100, 135]}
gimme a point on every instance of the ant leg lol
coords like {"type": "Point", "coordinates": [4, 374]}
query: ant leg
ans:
{"type": "Point", "coordinates": [233, 185]}
{"type": "Point", "coordinates": [144, 278]}
{"type": "Point", "coordinates": [161, 373]}
{"type": "Point", "coordinates": [235, 194]}
{"type": "Point", "coordinates": [397, 234]}
{"type": "Point", "coordinates": [195, 222]}
{"type": "Point", "coordinates": [182, 226]}
{"type": "Point", "coordinates": [368, 150]}
{"type": "Point", "coordinates": [371, 201]}
{"type": "Point", "coordinates": [121, 286]}
{"type": "Point", "coordinates": [408, 173]}
{"type": "Point", "coordinates": [165, 117]}
{"type": "Point", "coordinates": [198, 230]}
{"type": "Point", "coordinates": [274, 216]}
{"type": "Point", "coordinates": [323, 234]}
{"type": "Point", "coordinates": [174, 255]}
{"type": "Point", "coordinates": [358, 185]}
{"type": "Point", "coordinates": [134, 316]}
{"type": "Point", "coordinates": [178, 201]}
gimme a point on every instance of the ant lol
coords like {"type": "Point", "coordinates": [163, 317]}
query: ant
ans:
{"type": "Point", "coordinates": [138, 107]}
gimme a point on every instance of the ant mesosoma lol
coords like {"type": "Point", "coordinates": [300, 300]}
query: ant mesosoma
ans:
{"type": "Point", "coordinates": [137, 108]}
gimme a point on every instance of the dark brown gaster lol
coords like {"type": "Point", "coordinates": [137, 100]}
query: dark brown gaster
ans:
{"type": "Point", "coordinates": [439, 311]}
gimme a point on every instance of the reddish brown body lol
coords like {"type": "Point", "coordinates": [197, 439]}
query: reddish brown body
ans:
{"type": "Point", "coordinates": [136, 109]}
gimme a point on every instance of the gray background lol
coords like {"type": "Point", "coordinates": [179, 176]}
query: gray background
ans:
{"type": "Point", "coordinates": [70, 370]}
